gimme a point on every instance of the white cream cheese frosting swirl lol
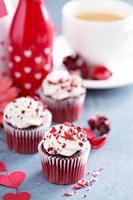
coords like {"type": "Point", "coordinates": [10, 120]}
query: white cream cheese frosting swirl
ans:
{"type": "Point", "coordinates": [25, 112]}
{"type": "Point", "coordinates": [65, 139]}
{"type": "Point", "coordinates": [61, 85]}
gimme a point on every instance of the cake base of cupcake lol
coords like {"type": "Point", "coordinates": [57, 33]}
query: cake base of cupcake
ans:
{"type": "Point", "coordinates": [63, 170]}
{"type": "Point", "coordinates": [24, 141]}
{"type": "Point", "coordinates": [69, 109]}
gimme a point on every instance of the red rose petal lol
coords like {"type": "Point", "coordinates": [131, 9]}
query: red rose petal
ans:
{"type": "Point", "coordinates": [20, 196]}
{"type": "Point", "coordinates": [90, 133]}
{"type": "Point", "coordinates": [101, 73]}
{"type": "Point", "coordinates": [2, 167]}
{"type": "Point", "coordinates": [13, 180]}
{"type": "Point", "coordinates": [97, 143]}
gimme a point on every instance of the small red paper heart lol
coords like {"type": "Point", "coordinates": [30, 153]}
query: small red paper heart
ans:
{"type": "Point", "coordinates": [20, 196]}
{"type": "Point", "coordinates": [13, 180]}
{"type": "Point", "coordinates": [2, 167]}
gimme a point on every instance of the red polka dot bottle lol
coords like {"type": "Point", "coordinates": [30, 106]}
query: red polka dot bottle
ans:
{"type": "Point", "coordinates": [6, 14]}
{"type": "Point", "coordinates": [30, 50]}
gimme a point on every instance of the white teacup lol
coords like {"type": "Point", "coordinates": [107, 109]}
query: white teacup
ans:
{"type": "Point", "coordinates": [97, 41]}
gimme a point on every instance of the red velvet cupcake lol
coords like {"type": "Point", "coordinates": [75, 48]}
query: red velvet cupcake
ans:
{"type": "Point", "coordinates": [64, 94]}
{"type": "Point", "coordinates": [25, 122]}
{"type": "Point", "coordinates": [64, 152]}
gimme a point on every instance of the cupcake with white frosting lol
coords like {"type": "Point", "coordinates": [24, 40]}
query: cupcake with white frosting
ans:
{"type": "Point", "coordinates": [64, 94]}
{"type": "Point", "coordinates": [64, 152]}
{"type": "Point", "coordinates": [25, 122]}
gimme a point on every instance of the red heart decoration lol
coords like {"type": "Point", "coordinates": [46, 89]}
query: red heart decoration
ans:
{"type": "Point", "coordinates": [20, 196]}
{"type": "Point", "coordinates": [2, 167]}
{"type": "Point", "coordinates": [13, 180]}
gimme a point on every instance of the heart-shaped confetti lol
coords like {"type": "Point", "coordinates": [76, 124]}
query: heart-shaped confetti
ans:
{"type": "Point", "coordinates": [20, 196]}
{"type": "Point", "coordinates": [38, 76]}
{"type": "Point", "coordinates": [38, 60]}
{"type": "Point", "coordinates": [2, 167]}
{"type": "Point", "coordinates": [17, 74]}
{"type": "Point", "coordinates": [17, 58]}
{"type": "Point", "coordinates": [13, 180]}
{"type": "Point", "coordinates": [27, 53]}
{"type": "Point", "coordinates": [27, 86]}
{"type": "Point", "coordinates": [27, 70]}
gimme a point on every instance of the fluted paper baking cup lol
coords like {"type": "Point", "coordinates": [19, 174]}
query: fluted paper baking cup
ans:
{"type": "Point", "coordinates": [69, 109]}
{"type": "Point", "coordinates": [63, 171]}
{"type": "Point", "coordinates": [25, 141]}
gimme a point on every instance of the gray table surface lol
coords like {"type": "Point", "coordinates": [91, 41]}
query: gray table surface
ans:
{"type": "Point", "coordinates": [116, 181]}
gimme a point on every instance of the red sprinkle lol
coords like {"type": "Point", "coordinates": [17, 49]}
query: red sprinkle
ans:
{"type": "Point", "coordinates": [68, 136]}
{"type": "Point", "coordinates": [53, 130]}
{"type": "Point", "coordinates": [80, 144]}
{"type": "Point", "coordinates": [77, 187]}
{"type": "Point", "coordinates": [63, 146]}
{"type": "Point", "coordinates": [68, 193]}
{"type": "Point", "coordinates": [95, 173]}
{"type": "Point", "coordinates": [57, 136]}
{"type": "Point", "coordinates": [50, 149]}
{"type": "Point", "coordinates": [69, 90]}
{"type": "Point", "coordinates": [23, 111]}
{"type": "Point", "coordinates": [84, 183]}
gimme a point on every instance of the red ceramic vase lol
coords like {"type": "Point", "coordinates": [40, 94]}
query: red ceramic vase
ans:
{"type": "Point", "coordinates": [30, 50]}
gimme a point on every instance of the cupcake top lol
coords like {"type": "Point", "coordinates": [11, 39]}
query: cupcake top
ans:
{"type": "Point", "coordinates": [61, 85]}
{"type": "Point", "coordinates": [25, 112]}
{"type": "Point", "coordinates": [65, 139]}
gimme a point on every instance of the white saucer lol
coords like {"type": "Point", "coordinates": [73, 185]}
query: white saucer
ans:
{"type": "Point", "coordinates": [122, 76]}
